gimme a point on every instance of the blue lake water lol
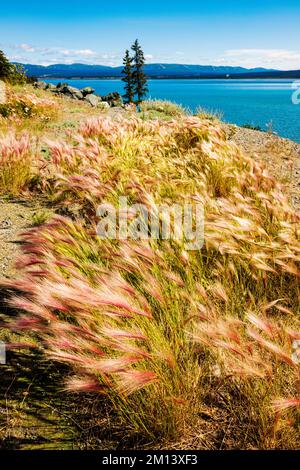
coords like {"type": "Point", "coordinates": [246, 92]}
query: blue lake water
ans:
{"type": "Point", "coordinates": [256, 102]}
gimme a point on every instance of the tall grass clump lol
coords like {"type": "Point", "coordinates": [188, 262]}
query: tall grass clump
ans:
{"type": "Point", "coordinates": [209, 114]}
{"type": "Point", "coordinates": [161, 109]}
{"type": "Point", "coordinates": [16, 160]}
{"type": "Point", "coordinates": [27, 112]}
{"type": "Point", "coordinates": [170, 335]}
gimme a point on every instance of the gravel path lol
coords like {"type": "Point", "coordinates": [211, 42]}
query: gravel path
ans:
{"type": "Point", "coordinates": [281, 156]}
{"type": "Point", "coordinates": [2, 92]}
{"type": "Point", "coordinates": [15, 218]}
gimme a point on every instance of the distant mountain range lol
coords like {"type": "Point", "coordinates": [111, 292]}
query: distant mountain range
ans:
{"type": "Point", "coordinates": [155, 71]}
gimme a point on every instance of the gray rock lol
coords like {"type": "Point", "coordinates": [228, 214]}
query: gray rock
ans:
{"type": "Point", "coordinates": [93, 100]}
{"type": "Point", "coordinates": [87, 90]}
{"type": "Point", "coordinates": [60, 85]}
{"type": "Point", "coordinates": [5, 224]}
{"type": "Point", "coordinates": [51, 87]}
{"type": "Point", "coordinates": [114, 96]}
{"type": "Point", "coordinates": [41, 85]}
{"type": "Point", "coordinates": [78, 95]}
{"type": "Point", "coordinates": [72, 92]}
{"type": "Point", "coordinates": [114, 99]}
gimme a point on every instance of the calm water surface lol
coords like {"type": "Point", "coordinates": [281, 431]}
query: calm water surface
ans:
{"type": "Point", "coordinates": [256, 102]}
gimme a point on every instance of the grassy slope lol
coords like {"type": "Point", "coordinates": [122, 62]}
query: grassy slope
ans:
{"type": "Point", "coordinates": [216, 423]}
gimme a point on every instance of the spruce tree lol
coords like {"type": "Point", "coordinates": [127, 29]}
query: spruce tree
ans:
{"type": "Point", "coordinates": [5, 66]}
{"type": "Point", "coordinates": [128, 78]}
{"type": "Point", "coordinates": [139, 76]}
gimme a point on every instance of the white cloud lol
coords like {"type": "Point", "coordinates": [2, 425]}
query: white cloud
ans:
{"type": "Point", "coordinates": [270, 58]}
{"type": "Point", "coordinates": [79, 52]}
{"type": "Point", "coordinates": [26, 47]}
{"type": "Point", "coordinates": [52, 55]}
{"type": "Point", "coordinates": [283, 59]}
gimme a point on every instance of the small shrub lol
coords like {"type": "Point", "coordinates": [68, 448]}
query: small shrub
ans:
{"type": "Point", "coordinates": [16, 108]}
{"type": "Point", "coordinates": [40, 217]}
{"type": "Point", "coordinates": [26, 106]}
{"type": "Point", "coordinates": [161, 109]}
{"type": "Point", "coordinates": [252, 127]}
{"type": "Point", "coordinates": [210, 115]}
{"type": "Point", "coordinates": [11, 73]}
{"type": "Point", "coordinates": [18, 75]}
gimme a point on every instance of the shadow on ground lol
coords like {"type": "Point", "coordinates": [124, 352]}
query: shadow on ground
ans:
{"type": "Point", "coordinates": [35, 411]}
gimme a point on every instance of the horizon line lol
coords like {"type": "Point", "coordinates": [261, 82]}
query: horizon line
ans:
{"type": "Point", "coordinates": [155, 63]}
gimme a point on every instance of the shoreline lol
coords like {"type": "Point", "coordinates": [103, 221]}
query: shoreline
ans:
{"type": "Point", "coordinates": [200, 102]}
{"type": "Point", "coordinates": [43, 77]}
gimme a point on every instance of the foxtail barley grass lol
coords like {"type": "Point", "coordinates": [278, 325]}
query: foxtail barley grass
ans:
{"type": "Point", "coordinates": [160, 330]}
{"type": "Point", "coordinates": [16, 157]}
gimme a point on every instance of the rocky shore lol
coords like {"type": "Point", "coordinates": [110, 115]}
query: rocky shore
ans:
{"type": "Point", "coordinates": [86, 94]}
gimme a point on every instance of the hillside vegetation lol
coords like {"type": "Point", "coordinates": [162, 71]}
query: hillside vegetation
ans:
{"type": "Point", "coordinates": [192, 349]}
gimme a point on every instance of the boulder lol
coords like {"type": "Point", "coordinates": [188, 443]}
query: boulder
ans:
{"type": "Point", "coordinates": [77, 94]}
{"type": "Point", "coordinates": [87, 90]}
{"type": "Point", "coordinates": [113, 97]}
{"type": "Point", "coordinates": [41, 85]}
{"type": "Point", "coordinates": [93, 100]}
{"type": "Point", "coordinates": [72, 92]}
{"type": "Point", "coordinates": [103, 105]}
{"type": "Point", "coordinates": [60, 85]}
{"type": "Point", "coordinates": [116, 103]}
{"type": "Point", "coordinates": [51, 87]}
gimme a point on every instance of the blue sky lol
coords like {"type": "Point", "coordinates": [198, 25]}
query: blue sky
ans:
{"type": "Point", "coordinates": [228, 32]}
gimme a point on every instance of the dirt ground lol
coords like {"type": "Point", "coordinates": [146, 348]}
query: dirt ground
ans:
{"type": "Point", "coordinates": [15, 217]}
